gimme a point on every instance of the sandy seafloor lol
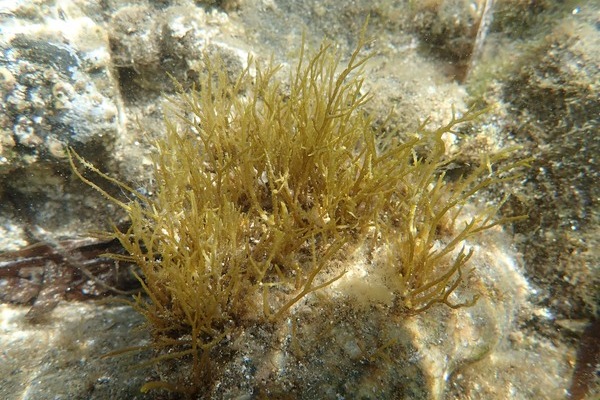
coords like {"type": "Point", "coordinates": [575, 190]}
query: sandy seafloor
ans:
{"type": "Point", "coordinates": [91, 74]}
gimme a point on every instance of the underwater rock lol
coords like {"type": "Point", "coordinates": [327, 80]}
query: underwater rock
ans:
{"type": "Point", "coordinates": [343, 340]}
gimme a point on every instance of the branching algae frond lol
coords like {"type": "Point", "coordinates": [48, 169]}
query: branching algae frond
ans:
{"type": "Point", "coordinates": [262, 185]}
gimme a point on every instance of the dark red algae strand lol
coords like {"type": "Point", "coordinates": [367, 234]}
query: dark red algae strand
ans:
{"type": "Point", "coordinates": [46, 272]}
{"type": "Point", "coordinates": [587, 362]}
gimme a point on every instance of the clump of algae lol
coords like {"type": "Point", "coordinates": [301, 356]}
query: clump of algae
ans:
{"type": "Point", "coordinates": [261, 186]}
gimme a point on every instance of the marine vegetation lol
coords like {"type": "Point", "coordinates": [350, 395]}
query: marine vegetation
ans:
{"type": "Point", "coordinates": [261, 186]}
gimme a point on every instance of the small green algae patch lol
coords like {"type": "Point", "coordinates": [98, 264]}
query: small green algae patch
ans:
{"type": "Point", "coordinates": [263, 185]}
